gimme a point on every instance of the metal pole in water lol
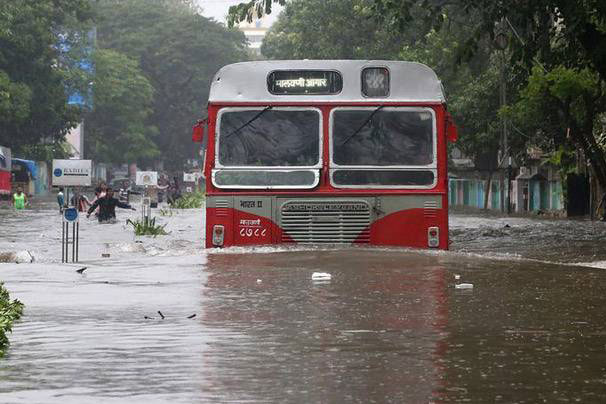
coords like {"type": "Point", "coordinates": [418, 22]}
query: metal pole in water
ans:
{"type": "Point", "coordinates": [73, 242]}
{"type": "Point", "coordinates": [62, 241]}
{"type": "Point", "coordinates": [66, 242]}
{"type": "Point", "coordinates": [77, 240]}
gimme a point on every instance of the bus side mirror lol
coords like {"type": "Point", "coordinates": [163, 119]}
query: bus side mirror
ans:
{"type": "Point", "coordinates": [198, 131]}
{"type": "Point", "coordinates": [452, 133]}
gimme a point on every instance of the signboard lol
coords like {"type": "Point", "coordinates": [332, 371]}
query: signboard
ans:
{"type": "Point", "coordinates": [299, 82]}
{"type": "Point", "coordinates": [147, 178]}
{"type": "Point", "coordinates": [5, 158]}
{"type": "Point", "coordinates": [72, 173]}
{"type": "Point", "coordinates": [70, 215]}
{"type": "Point", "coordinates": [189, 177]}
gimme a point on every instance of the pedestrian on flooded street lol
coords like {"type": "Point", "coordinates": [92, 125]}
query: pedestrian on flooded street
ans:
{"type": "Point", "coordinates": [60, 199]}
{"type": "Point", "coordinates": [107, 207]}
{"type": "Point", "coordinates": [20, 199]}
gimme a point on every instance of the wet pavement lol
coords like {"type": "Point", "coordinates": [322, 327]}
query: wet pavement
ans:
{"type": "Point", "coordinates": [390, 326]}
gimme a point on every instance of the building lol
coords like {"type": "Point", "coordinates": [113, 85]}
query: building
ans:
{"type": "Point", "coordinates": [255, 32]}
{"type": "Point", "coordinates": [536, 187]}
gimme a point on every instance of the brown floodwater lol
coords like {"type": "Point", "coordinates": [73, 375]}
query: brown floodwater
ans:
{"type": "Point", "coordinates": [389, 326]}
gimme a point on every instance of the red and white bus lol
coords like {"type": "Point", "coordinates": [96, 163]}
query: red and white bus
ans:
{"type": "Point", "coordinates": [326, 151]}
{"type": "Point", "coordinates": [5, 172]}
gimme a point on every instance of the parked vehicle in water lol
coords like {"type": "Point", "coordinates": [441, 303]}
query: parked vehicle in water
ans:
{"type": "Point", "coordinates": [340, 151]}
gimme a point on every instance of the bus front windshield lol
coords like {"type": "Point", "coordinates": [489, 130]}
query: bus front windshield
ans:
{"type": "Point", "coordinates": [382, 137]}
{"type": "Point", "coordinates": [269, 137]}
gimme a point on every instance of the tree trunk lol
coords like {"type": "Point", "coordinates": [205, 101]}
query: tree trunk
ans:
{"type": "Point", "coordinates": [487, 190]}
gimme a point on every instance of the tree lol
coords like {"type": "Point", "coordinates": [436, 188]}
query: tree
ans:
{"type": "Point", "coordinates": [249, 9]}
{"type": "Point", "coordinates": [347, 32]}
{"type": "Point", "coordinates": [561, 107]}
{"type": "Point", "coordinates": [178, 51]}
{"type": "Point", "coordinates": [116, 129]}
{"type": "Point", "coordinates": [33, 95]}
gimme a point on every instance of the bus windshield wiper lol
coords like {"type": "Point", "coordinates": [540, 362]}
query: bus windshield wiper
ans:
{"type": "Point", "coordinates": [363, 124]}
{"type": "Point", "coordinates": [251, 120]}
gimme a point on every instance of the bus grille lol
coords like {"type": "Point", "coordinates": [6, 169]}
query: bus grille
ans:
{"type": "Point", "coordinates": [221, 206]}
{"type": "Point", "coordinates": [325, 221]}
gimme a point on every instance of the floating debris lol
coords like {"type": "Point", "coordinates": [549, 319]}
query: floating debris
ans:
{"type": "Point", "coordinates": [19, 257]}
{"type": "Point", "coordinates": [161, 315]}
{"type": "Point", "coordinates": [321, 276]}
{"type": "Point", "coordinates": [259, 281]}
{"type": "Point", "coordinates": [457, 276]}
{"type": "Point", "coordinates": [192, 316]}
{"type": "Point", "coordinates": [81, 270]}
{"type": "Point", "coordinates": [464, 286]}
{"type": "Point", "coordinates": [105, 255]}
{"type": "Point", "coordinates": [23, 257]}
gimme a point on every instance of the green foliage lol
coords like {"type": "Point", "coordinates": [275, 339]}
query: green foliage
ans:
{"type": "Point", "coordinates": [560, 108]}
{"type": "Point", "coordinates": [194, 200]}
{"type": "Point", "coordinates": [147, 227]}
{"type": "Point", "coordinates": [34, 74]}
{"type": "Point", "coordinates": [178, 51]}
{"type": "Point", "coordinates": [250, 9]}
{"type": "Point", "coordinates": [117, 130]}
{"type": "Point", "coordinates": [347, 32]}
{"type": "Point", "coordinates": [45, 152]}
{"type": "Point", "coordinates": [9, 312]}
{"type": "Point", "coordinates": [169, 212]}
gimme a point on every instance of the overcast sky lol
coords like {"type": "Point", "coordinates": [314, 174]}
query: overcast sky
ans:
{"type": "Point", "coordinates": [218, 8]}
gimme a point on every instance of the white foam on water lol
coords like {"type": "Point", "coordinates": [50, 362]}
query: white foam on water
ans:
{"type": "Point", "coordinates": [595, 264]}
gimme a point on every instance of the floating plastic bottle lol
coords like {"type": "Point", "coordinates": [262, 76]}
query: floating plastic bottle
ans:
{"type": "Point", "coordinates": [464, 286]}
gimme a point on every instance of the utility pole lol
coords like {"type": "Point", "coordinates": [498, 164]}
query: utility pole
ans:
{"type": "Point", "coordinates": [501, 42]}
{"type": "Point", "coordinates": [506, 157]}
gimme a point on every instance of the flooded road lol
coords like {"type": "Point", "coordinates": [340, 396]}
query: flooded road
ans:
{"type": "Point", "coordinates": [388, 327]}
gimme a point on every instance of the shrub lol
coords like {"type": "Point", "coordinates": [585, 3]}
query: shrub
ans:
{"type": "Point", "coordinates": [9, 312]}
{"type": "Point", "coordinates": [147, 227]}
{"type": "Point", "coordinates": [193, 200]}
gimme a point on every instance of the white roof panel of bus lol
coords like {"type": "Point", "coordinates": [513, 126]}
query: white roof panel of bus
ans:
{"type": "Point", "coordinates": [247, 81]}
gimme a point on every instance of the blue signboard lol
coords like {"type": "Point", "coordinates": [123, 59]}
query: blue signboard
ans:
{"type": "Point", "coordinates": [85, 40]}
{"type": "Point", "coordinates": [70, 214]}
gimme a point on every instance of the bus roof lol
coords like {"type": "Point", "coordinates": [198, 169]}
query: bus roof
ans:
{"type": "Point", "coordinates": [248, 81]}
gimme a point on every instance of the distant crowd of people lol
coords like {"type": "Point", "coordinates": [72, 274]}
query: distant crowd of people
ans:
{"type": "Point", "coordinates": [104, 203]}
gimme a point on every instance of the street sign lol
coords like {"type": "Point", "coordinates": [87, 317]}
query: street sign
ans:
{"type": "Point", "coordinates": [189, 177]}
{"type": "Point", "coordinates": [72, 172]}
{"type": "Point", "coordinates": [70, 215]}
{"type": "Point", "coordinates": [147, 178]}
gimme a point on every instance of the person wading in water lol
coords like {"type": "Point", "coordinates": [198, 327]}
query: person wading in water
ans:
{"type": "Point", "coordinates": [107, 207]}
{"type": "Point", "coordinates": [19, 199]}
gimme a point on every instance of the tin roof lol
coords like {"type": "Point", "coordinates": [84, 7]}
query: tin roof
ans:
{"type": "Point", "coordinates": [247, 81]}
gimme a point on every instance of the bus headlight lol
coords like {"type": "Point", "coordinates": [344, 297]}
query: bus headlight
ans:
{"type": "Point", "coordinates": [218, 235]}
{"type": "Point", "coordinates": [433, 236]}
